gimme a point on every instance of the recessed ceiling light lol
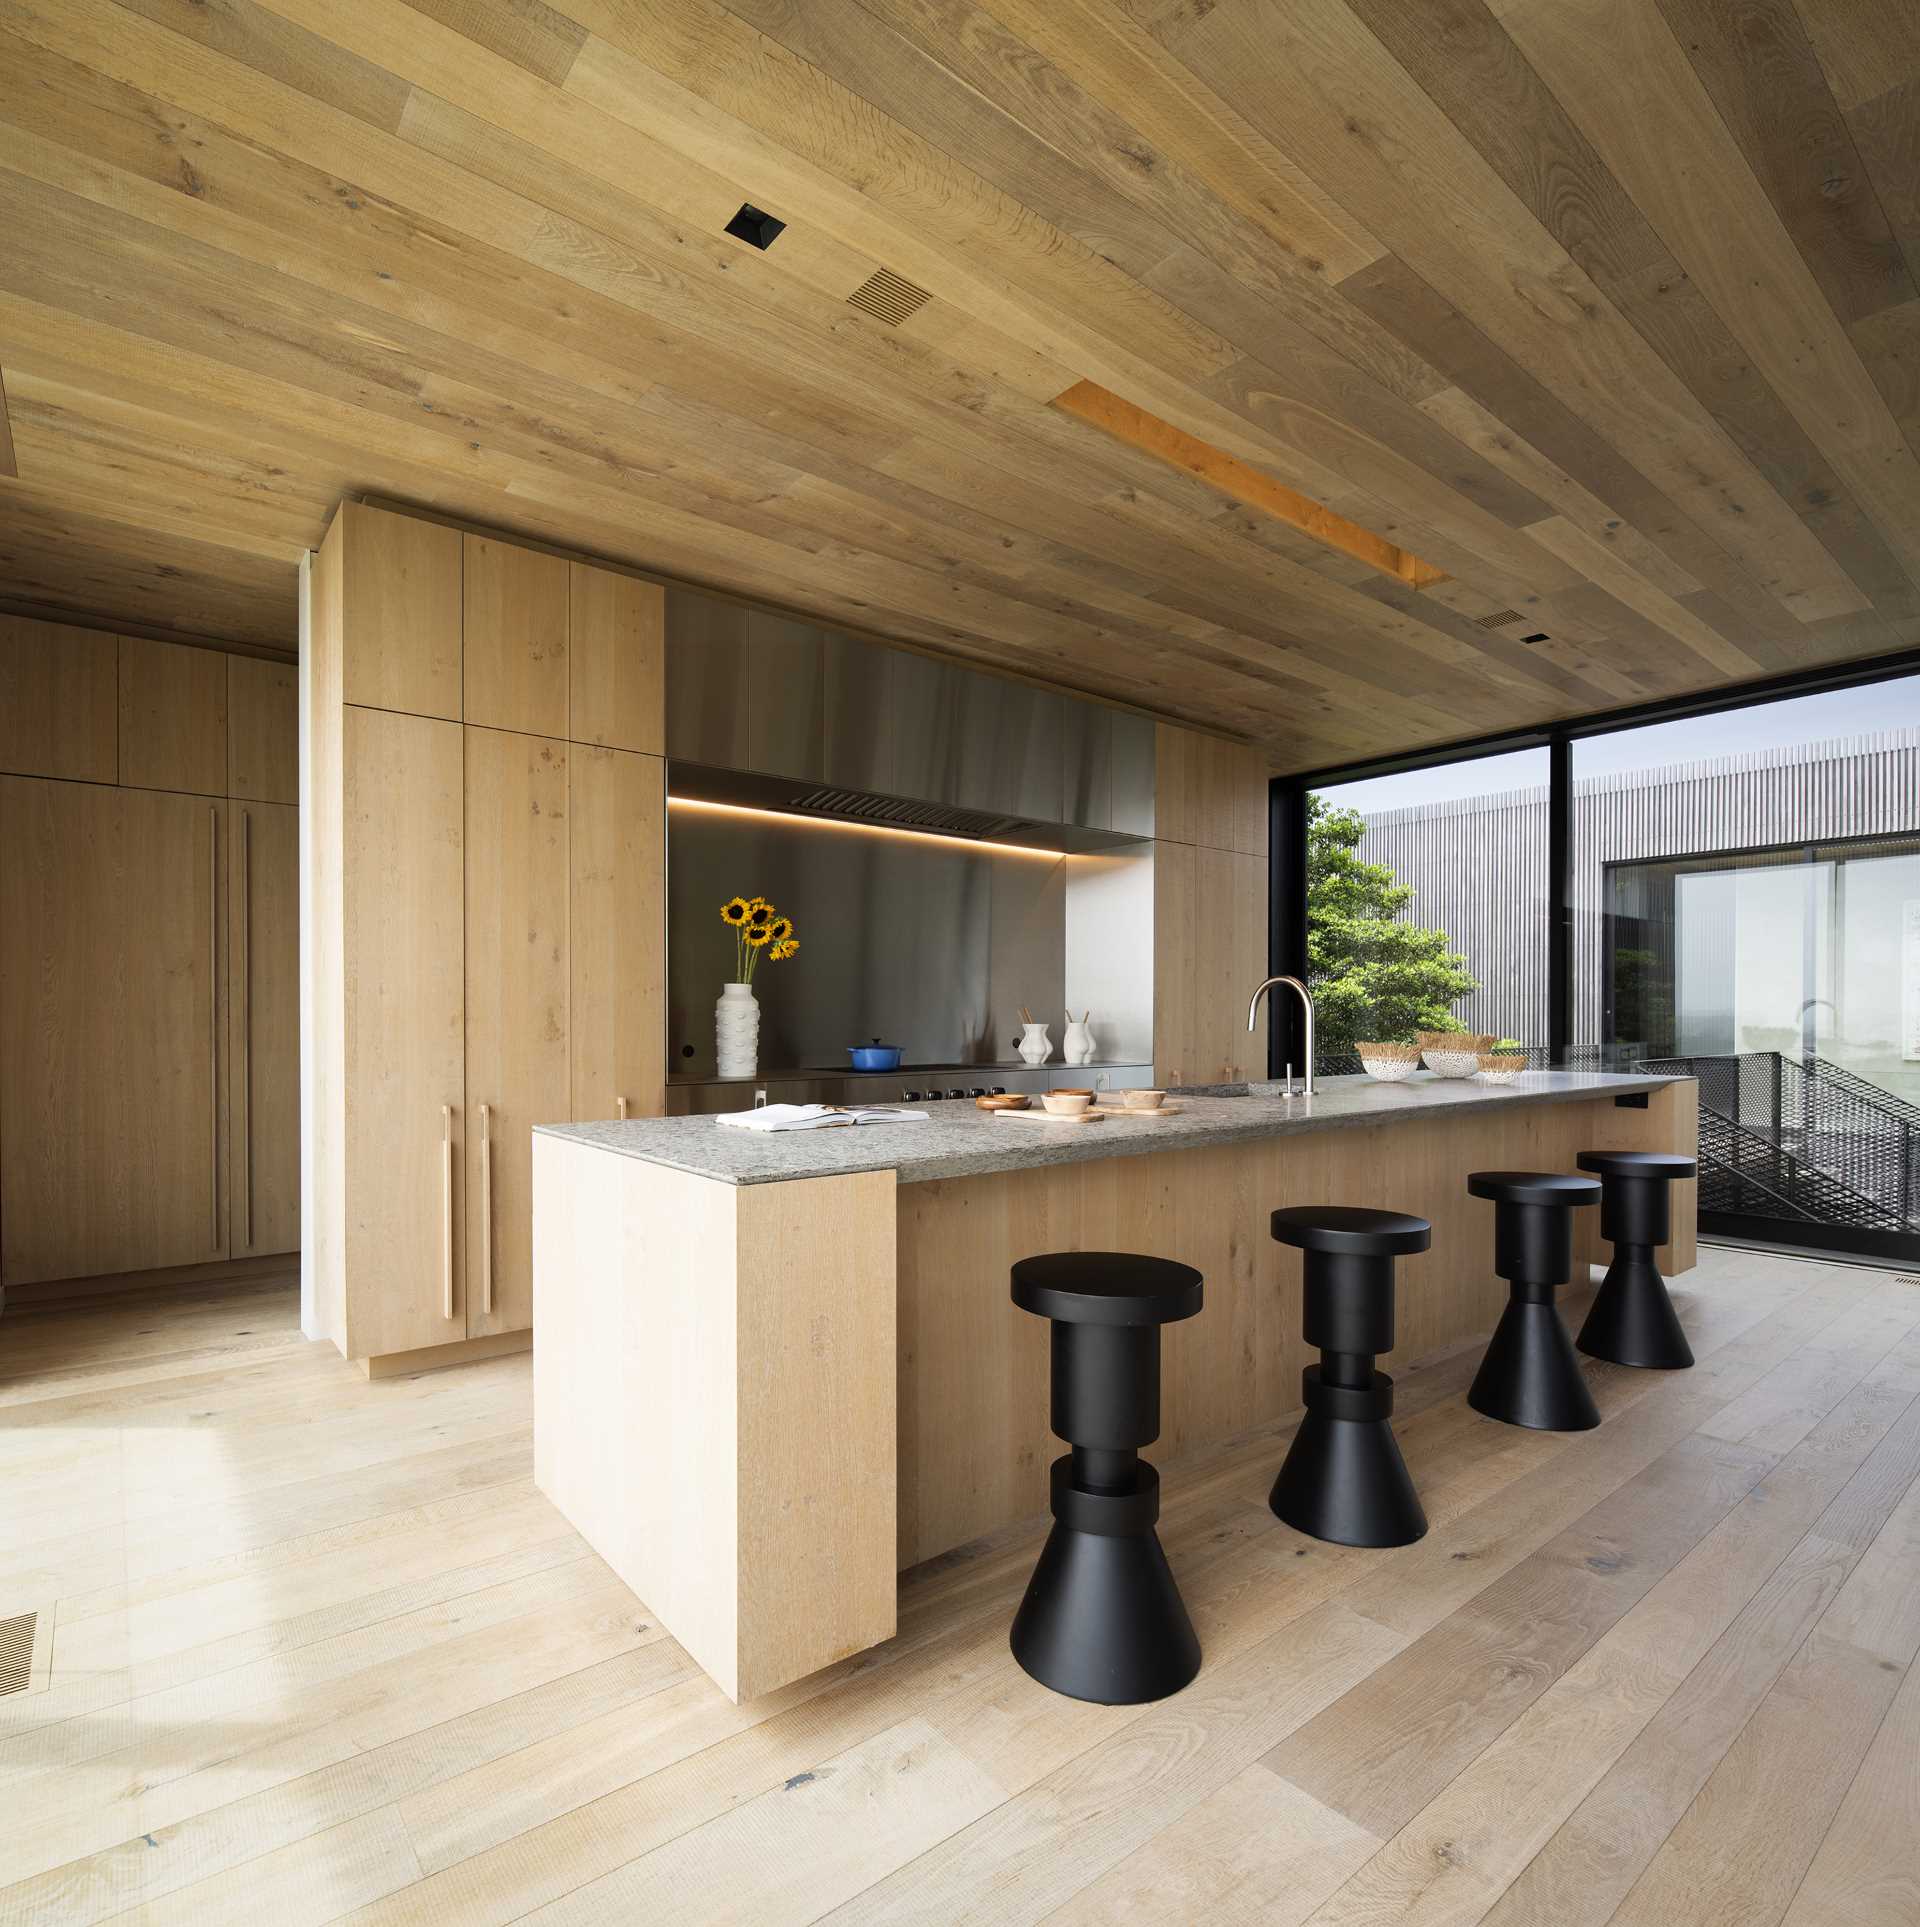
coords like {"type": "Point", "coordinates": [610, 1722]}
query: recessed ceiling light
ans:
{"type": "Point", "coordinates": [1538, 636]}
{"type": "Point", "coordinates": [758, 230]}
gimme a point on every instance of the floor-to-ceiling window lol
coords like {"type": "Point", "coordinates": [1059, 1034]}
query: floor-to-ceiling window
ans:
{"type": "Point", "coordinates": [1736, 896]}
{"type": "Point", "coordinates": [1426, 893]}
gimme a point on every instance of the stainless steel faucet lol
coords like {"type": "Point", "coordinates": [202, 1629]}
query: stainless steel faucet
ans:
{"type": "Point", "coordinates": [1306, 1005]}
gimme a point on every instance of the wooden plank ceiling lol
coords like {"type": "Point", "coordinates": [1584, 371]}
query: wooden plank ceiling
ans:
{"type": "Point", "coordinates": [1605, 310]}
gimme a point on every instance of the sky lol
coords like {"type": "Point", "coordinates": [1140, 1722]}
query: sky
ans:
{"type": "Point", "coordinates": [1801, 719]}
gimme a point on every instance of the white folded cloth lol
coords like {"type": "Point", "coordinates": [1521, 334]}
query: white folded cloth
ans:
{"type": "Point", "coordinates": [814, 1117]}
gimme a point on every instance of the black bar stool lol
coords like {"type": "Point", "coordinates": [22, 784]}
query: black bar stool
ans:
{"type": "Point", "coordinates": [1102, 1619]}
{"type": "Point", "coordinates": [1343, 1477]}
{"type": "Point", "coordinates": [1633, 1321]}
{"type": "Point", "coordinates": [1530, 1375]}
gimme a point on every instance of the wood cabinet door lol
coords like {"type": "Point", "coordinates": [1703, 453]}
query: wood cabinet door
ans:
{"type": "Point", "coordinates": [515, 637]}
{"type": "Point", "coordinates": [263, 730]}
{"type": "Point", "coordinates": [618, 1014]}
{"type": "Point", "coordinates": [516, 894]}
{"type": "Point", "coordinates": [617, 638]}
{"type": "Point", "coordinates": [59, 700]}
{"type": "Point", "coordinates": [1210, 950]}
{"type": "Point", "coordinates": [263, 1002]}
{"type": "Point", "coordinates": [405, 1039]}
{"type": "Point", "coordinates": [112, 1015]}
{"type": "Point", "coordinates": [399, 612]}
{"type": "Point", "coordinates": [173, 716]}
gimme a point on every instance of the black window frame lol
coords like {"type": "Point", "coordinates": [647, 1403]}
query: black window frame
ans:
{"type": "Point", "coordinates": [1287, 860]}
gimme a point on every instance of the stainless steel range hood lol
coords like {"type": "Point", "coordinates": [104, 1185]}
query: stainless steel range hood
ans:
{"type": "Point", "coordinates": [765, 712]}
{"type": "Point", "coordinates": [783, 796]}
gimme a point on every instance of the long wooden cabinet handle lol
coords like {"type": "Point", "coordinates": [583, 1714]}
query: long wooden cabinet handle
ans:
{"type": "Point", "coordinates": [446, 1199]}
{"type": "Point", "coordinates": [486, 1210]}
{"type": "Point", "coordinates": [213, 1023]}
{"type": "Point", "coordinates": [622, 1102]}
{"type": "Point", "coordinates": [246, 1017]}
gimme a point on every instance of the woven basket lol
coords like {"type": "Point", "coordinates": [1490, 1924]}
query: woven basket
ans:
{"type": "Point", "coordinates": [1389, 1062]}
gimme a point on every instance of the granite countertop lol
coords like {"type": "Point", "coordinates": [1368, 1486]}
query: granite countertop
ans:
{"type": "Point", "coordinates": [958, 1141]}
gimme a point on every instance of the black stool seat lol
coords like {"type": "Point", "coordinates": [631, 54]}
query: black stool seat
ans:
{"type": "Point", "coordinates": [1530, 1375]}
{"type": "Point", "coordinates": [1343, 1478]}
{"type": "Point", "coordinates": [1102, 1619]}
{"type": "Point", "coordinates": [1106, 1288]}
{"type": "Point", "coordinates": [1351, 1230]}
{"type": "Point", "coordinates": [1632, 1320]}
{"type": "Point", "coordinates": [1533, 1187]}
{"type": "Point", "coordinates": [1636, 1164]}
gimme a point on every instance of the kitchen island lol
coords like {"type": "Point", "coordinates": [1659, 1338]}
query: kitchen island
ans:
{"type": "Point", "coordinates": [770, 1370]}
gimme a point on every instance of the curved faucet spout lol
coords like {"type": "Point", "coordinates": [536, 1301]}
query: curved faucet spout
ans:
{"type": "Point", "coordinates": [1306, 1006]}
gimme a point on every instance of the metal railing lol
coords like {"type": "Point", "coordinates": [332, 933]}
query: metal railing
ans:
{"type": "Point", "coordinates": [1812, 1138]}
{"type": "Point", "coordinates": [1782, 1137]}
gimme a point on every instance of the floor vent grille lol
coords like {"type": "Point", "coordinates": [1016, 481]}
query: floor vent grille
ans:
{"type": "Point", "coordinates": [1499, 619]}
{"type": "Point", "coordinates": [16, 1652]}
{"type": "Point", "coordinates": [888, 298]}
{"type": "Point", "coordinates": [1903, 1278]}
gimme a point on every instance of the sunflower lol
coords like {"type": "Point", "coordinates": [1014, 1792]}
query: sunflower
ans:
{"type": "Point", "coordinates": [760, 919]}
{"type": "Point", "coordinates": [782, 929]}
{"type": "Point", "coordinates": [759, 935]}
{"type": "Point", "coordinates": [785, 948]}
{"type": "Point", "coordinates": [735, 911]}
{"type": "Point", "coordinates": [759, 903]}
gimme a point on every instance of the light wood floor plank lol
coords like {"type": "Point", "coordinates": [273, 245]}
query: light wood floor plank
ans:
{"type": "Point", "coordinates": [321, 1652]}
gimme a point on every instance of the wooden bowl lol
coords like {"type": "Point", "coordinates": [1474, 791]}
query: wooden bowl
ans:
{"type": "Point", "coordinates": [1067, 1103]}
{"type": "Point", "coordinates": [1005, 1101]}
{"type": "Point", "coordinates": [1142, 1100]}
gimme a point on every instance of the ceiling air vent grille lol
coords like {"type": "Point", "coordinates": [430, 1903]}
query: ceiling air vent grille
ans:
{"type": "Point", "coordinates": [16, 1652]}
{"type": "Point", "coordinates": [888, 298]}
{"type": "Point", "coordinates": [1499, 619]}
{"type": "Point", "coordinates": [859, 807]}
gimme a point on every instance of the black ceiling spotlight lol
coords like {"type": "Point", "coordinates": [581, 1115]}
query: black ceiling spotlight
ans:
{"type": "Point", "coordinates": [1538, 636]}
{"type": "Point", "coordinates": [758, 230]}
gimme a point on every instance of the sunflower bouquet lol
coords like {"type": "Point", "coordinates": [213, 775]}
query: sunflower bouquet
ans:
{"type": "Point", "coordinates": [758, 930]}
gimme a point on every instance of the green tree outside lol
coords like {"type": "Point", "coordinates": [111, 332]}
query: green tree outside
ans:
{"type": "Point", "coordinates": [1373, 978]}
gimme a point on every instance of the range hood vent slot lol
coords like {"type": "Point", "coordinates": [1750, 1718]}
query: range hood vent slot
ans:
{"type": "Point", "coordinates": [860, 806]}
{"type": "Point", "coordinates": [1499, 619]}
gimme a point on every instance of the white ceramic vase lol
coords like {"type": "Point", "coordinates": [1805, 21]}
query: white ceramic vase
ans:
{"type": "Point", "coordinates": [736, 1031]}
{"type": "Point", "coordinates": [1077, 1046]}
{"type": "Point", "coordinates": [1035, 1045]}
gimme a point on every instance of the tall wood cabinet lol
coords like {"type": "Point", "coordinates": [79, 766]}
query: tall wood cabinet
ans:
{"type": "Point", "coordinates": [149, 965]}
{"type": "Point", "coordinates": [1210, 886]}
{"type": "Point", "coordinates": [488, 949]}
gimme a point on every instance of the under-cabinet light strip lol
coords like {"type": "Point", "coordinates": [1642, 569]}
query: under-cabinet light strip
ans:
{"type": "Point", "coordinates": [865, 829]}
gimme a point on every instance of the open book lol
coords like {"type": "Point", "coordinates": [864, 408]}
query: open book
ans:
{"type": "Point", "coordinates": [814, 1117]}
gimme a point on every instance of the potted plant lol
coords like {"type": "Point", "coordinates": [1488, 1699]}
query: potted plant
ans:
{"type": "Point", "coordinates": [759, 930]}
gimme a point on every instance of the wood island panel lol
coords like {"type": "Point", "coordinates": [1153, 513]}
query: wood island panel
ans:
{"type": "Point", "coordinates": [974, 1439]}
{"type": "Point", "coordinates": [714, 1401]}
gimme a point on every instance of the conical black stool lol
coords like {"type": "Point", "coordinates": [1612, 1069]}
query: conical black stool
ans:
{"type": "Point", "coordinates": [1343, 1477]}
{"type": "Point", "coordinates": [1530, 1375]}
{"type": "Point", "coordinates": [1102, 1619]}
{"type": "Point", "coordinates": [1633, 1321]}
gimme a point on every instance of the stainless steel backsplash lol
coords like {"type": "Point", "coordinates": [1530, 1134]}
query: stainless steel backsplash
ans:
{"type": "Point", "coordinates": [925, 943]}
